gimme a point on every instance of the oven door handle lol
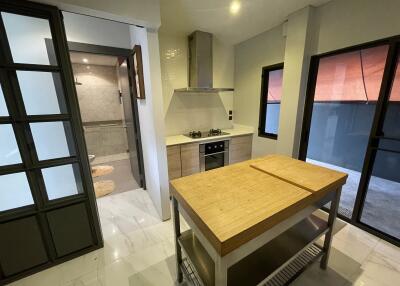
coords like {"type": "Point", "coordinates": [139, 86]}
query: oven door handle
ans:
{"type": "Point", "coordinates": [205, 155]}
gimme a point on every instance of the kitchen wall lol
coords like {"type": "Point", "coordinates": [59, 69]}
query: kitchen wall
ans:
{"type": "Point", "coordinates": [185, 112]}
{"type": "Point", "coordinates": [101, 109]}
{"type": "Point", "coordinates": [251, 56]}
{"type": "Point", "coordinates": [335, 25]}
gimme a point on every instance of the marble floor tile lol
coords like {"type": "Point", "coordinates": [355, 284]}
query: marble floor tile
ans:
{"type": "Point", "coordinates": [139, 251]}
{"type": "Point", "coordinates": [355, 243]}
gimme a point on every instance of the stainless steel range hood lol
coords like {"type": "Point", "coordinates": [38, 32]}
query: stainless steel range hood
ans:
{"type": "Point", "coordinates": [201, 65]}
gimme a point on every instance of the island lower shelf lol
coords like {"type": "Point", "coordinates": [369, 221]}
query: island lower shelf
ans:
{"type": "Point", "coordinates": [295, 243]}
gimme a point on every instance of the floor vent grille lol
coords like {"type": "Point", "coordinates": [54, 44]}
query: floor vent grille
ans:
{"type": "Point", "coordinates": [296, 267]}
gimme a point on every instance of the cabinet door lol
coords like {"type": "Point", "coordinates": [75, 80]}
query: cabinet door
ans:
{"type": "Point", "coordinates": [240, 149]}
{"type": "Point", "coordinates": [190, 159]}
{"type": "Point", "coordinates": [174, 162]}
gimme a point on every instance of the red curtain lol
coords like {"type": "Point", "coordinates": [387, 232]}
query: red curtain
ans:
{"type": "Point", "coordinates": [353, 76]}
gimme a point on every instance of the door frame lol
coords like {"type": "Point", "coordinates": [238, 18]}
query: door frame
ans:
{"type": "Point", "coordinates": [376, 128]}
{"type": "Point", "coordinates": [122, 54]}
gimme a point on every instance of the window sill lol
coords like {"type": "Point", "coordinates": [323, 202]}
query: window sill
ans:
{"type": "Point", "coordinates": [268, 135]}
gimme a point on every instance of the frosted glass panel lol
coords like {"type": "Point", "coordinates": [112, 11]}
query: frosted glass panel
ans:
{"type": "Point", "coordinates": [26, 36]}
{"type": "Point", "coordinates": [62, 181]}
{"type": "Point", "coordinates": [40, 94]}
{"type": "Point", "coordinates": [9, 152]}
{"type": "Point", "coordinates": [3, 107]}
{"type": "Point", "coordinates": [51, 139]}
{"type": "Point", "coordinates": [14, 191]}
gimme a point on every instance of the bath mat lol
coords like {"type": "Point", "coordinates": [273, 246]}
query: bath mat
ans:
{"type": "Point", "coordinates": [101, 170]}
{"type": "Point", "coordinates": [103, 188]}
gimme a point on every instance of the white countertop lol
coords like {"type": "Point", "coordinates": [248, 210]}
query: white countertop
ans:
{"type": "Point", "coordinates": [237, 130]}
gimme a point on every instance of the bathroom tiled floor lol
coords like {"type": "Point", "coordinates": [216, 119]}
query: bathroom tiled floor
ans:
{"type": "Point", "coordinates": [139, 251]}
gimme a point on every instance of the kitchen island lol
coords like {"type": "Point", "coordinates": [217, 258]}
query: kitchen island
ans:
{"type": "Point", "coordinates": [252, 223]}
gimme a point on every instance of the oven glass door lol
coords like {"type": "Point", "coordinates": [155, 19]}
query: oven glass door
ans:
{"type": "Point", "coordinates": [213, 161]}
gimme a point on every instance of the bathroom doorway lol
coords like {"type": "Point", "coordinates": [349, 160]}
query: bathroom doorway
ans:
{"type": "Point", "coordinates": [109, 115]}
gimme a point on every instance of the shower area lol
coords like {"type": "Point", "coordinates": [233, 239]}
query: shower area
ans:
{"type": "Point", "coordinates": [98, 85]}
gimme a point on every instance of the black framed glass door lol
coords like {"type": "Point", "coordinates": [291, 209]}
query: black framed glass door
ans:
{"type": "Point", "coordinates": [379, 197]}
{"type": "Point", "coordinates": [48, 211]}
{"type": "Point", "coordinates": [351, 124]}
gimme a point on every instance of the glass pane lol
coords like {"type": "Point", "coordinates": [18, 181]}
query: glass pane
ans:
{"type": "Point", "coordinates": [42, 92]}
{"type": "Point", "coordinates": [341, 120]}
{"type": "Point", "coordinates": [391, 126]}
{"type": "Point", "coordinates": [272, 118]}
{"type": "Point", "coordinates": [14, 192]}
{"type": "Point", "coordinates": [381, 208]}
{"type": "Point", "coordinates": [26, 36]}
{"type": "Point", "coordinates": [52, 139]}
{"type": "Point", "coordinates": [62, 181]}
{"type": "Point", "coordinates": [3, 106]}
{"type": "Point", "coordinates": [9, 152]}
{"type": "Point", "coordinates": [274, 96]}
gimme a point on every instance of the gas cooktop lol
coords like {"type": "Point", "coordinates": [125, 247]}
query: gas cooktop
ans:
{"type": "Point", "coordinates": [205, 134]}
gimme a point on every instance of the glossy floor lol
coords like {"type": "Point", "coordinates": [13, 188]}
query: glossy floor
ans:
{"type": "Point", "coordinates": [139, 250]}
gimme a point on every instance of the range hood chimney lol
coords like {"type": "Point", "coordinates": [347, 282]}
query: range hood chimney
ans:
{"type": "Point", "coordinates": [201, 65]}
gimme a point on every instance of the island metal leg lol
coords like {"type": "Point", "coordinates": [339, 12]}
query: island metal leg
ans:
{"type": "Point", "coordinates": [221, 272]}
{"type": "Point", "coordinates": [178, 251]}
{"type": "Point", "coordinates": [331, 222]}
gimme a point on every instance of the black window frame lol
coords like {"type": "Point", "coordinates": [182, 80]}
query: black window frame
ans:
{"type": "Point", "coordinates": [264, 100]}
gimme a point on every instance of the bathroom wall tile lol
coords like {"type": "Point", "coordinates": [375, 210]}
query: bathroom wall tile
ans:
{"type": "Point", "coordinates": [99, 93]}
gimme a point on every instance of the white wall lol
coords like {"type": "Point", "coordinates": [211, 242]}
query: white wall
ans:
{"type": "Point", "coordinates": [91, 30]}
{"type": "Point", "coordinates": [344, 23]}
{"type": "Point", "coordinates": [251, 56]}
{"type": "Point", "coordinates": [295, 74]}
{"type": "Point", "coordinates": [338, 24]}
{"type": "Point", "coordinates": [183, 111]}
{"type": "Point", "coordinates": [137, 12]}
{"type": "Point", "coordinates": [152, 121]}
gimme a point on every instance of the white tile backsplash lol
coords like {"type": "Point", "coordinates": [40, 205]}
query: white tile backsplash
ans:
{"type": "Point", "coordinates": [188, 112]}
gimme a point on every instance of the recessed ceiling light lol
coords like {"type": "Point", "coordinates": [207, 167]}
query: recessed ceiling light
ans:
{"type": "Point", "coordinates": [235, 7]}
{"type": "Point", "coordinates": [85, 60]}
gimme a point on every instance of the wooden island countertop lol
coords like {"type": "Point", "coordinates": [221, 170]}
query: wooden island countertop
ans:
{"type": "Point", "coordinates": [236, 203]}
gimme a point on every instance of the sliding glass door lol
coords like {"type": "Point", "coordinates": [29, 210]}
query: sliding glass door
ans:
{"type": "Point", "coordinates": [380, 203]}
{"type": "Point", "coordinates": [351, 124]}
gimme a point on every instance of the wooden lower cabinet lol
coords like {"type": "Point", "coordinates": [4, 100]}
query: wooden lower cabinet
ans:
{"type": "Point", "coordinates": [240, 148]}
{"type": "Point", "coordinates": [184, 160]}
{"type": "Point", "coordinates": [190, 159]}
{"type": "Point", "coordinates": [174, 161]}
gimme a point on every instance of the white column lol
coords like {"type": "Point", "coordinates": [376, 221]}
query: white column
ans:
{"type": "Point", "coordinates": [152, 121]}
{"type": "Point", "coordinates": [299, 45]}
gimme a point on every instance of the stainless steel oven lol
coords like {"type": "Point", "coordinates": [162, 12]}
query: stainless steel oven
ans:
{"type": "Point", "coordinates": [214, 155]}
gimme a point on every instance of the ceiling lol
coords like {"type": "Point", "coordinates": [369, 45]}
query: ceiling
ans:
{"type": "Point", "coordinates": [254, 16]}
{"type": "Point", "coordinates": [93, 59]}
